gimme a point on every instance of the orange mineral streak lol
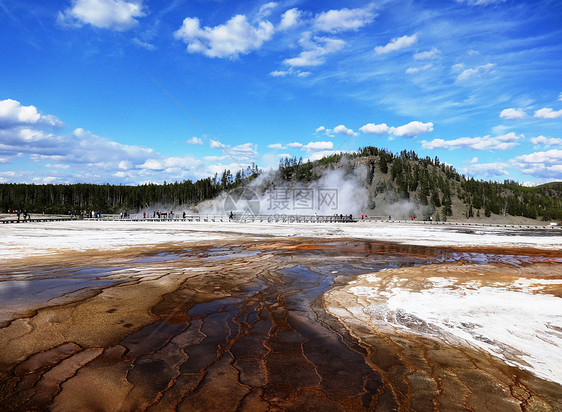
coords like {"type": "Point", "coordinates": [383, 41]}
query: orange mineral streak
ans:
{"type": "Point", "coordinates": [255, 324]}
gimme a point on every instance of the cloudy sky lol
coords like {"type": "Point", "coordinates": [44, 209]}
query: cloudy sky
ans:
{"type": "Point", "coordinates": [134, 91]}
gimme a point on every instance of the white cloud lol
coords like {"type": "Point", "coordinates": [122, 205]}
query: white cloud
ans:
{"type": "Point", "coordinates": [241, 153]}
{"type": "Point", "coordinates": [457, 67]}
{"type": "Point", "coordinates": [295, 145]}
{"type": "Point", "coordinates": [315, 48]}
{"type": "Point", "coordinates": [152, 164]}
{"type": "Point", "coordinates": [195, 140]}
{"type": "Point", "coordinates": [289, 19]}
{"type": "Point", "coordinates": [412, 70]}
{"type": "Point", "coordinates": [289, 72]}
{"type": "Point", "coordinates": [547, 113]}
{"type": "Point", "coordinates": [546, 141]}
{"type": "Point", "coordinates": [486, 170]}
{"type": "Point", "coordinates": [143, 45]}
{"type": "Point", "coordinates": [541, 164]}
{"type": "Point", "coordinates": [504, 142]}
{"type": "Point", "coordinates": [320, 129]}
{"type": "Point", "coordinates": [105, 14]}
{"type": "Point", "coordinates": [78, 150]}
{"type": "Point", "coordinates": [231, 39]}
{"type": "Point", "coordinates": [480, 2]}
{"type": "Point", "coordinates": [476, 71]}
{"type": "Point", "coordinates": [427, 55]}
{"type": "Point", "coordinates": [13, 114]}
{"type": "Point", "coordinates": [244, 151]}
{"type": "Point", "coordinates": [313, 146]}
{"type": "Point", "coordinates": [378, 129]}
{"type": "Point", "coordinates": [317, 155]}
{"type": "Point", "coordinates": [397, 43]}
{"type": "Point", "coordinates": [124, 164]}
{"type": "Point", "coordinates": [277, 146]}
{"type": "Point", "coordinates": [553, 156]}
{"type": "Point", "coordinates": [560, 97]}
{"type": "Point", "coordinates": [333, 21]}
{"type": "Point", "coordinates": [414, 128]}
{"type": "Point", "coordinates": [512, 114]}
{"type": "Point", "coordinates": [341, 129]}
{"type": "Point", "coordinates": [266, 10]}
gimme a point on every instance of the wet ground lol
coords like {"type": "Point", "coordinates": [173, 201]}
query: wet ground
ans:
{"type": "Point", "coordinates": [239, 326]}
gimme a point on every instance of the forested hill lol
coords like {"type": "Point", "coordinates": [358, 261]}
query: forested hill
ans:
{"type": "Point", "coordinates": [432, 187]}
{"type": "Point", "coordinates": [435, 188]}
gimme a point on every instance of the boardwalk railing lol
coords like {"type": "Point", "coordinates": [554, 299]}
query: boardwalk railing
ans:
{"type": "Point", "coordinates": [242, 218]}
{"type": "Point", "coordinates": [276, 218]}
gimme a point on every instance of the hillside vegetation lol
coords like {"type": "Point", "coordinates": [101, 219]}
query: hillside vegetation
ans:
{"type": "Point", "coordinates": [432, 187]}
{"type": "Point", "coordinates": [427, 186]}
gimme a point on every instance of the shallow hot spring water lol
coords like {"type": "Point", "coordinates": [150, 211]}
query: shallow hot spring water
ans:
{"type": "Point", "coordinates": [293, 324]}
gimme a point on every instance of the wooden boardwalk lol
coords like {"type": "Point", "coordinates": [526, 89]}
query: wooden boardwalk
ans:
{"type": "Point", "coordinates": [277, 218]}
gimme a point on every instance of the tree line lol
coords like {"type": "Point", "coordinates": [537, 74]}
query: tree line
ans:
{"type": "Point", "coordinates": [75, 198]}
{"type": "Point", "coordinates": [423, 180]}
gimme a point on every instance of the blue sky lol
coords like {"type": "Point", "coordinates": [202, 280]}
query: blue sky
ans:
{"type": "Point", "coordinates": [134, 91]}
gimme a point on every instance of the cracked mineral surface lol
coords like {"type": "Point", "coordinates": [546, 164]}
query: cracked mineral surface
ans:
{"type": "Point", "coordinates": [237, 322]}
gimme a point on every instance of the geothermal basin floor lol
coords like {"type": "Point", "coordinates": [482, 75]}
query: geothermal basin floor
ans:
{"type": "Point", "coordinates": [176, 316]}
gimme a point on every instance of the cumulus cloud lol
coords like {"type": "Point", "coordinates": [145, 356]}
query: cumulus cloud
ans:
{"type": "Point", "coordinates": [486, 170]}
{"type": "Point", "coordinates": [117, 15]}
{"type": "Point", "coordinates": [547, 113]}
{"type": "Point", "coordinates": [333, 21]}
{"type": "Point", "coordinates": [457, 67]}
{"type": "Point", "coordinates": [279, 73]}
{"type": "Point", "coordinates": [241, 153]}
{"type": "Point", "coordinates": [80, 155]}
{"type": "Point", "coordinates": [13, 113]}
{"type": "Point", "coordinates": [412, 70]}
{"type": "Point", "coordinates": [397, 43]}
{"type": "Point", "coordinates": [195, 140]}
{"type": "Point", "coordinates": [317, 155]}
{"type": "Point", "coordinates": [313, 146]}
{"type": "Point", "coordinates": [512, 114]}
{"type": "Point", "coordinates": [78, 148]}
{"type": "Point", "coordinates": [341, 129]}
{"type": "Point", "coordinates": [289, 19]}
{"type": "Point", "coordinates": [411, 129]}
{"type": "Point", "coordinates": [427, 55]}
{"type": "Point", "coordinates": [541, 164]}
{"type": "Point", "coordinates": [315, 50]}
{"type": "Point", "coordinates": [245, 151]}
{"type": "Point", "coordinates": [291, 71]}
{"type": "Point", "coordinates": [378, 129]}
{"type": "Point", "coordinates": [546, 141]}
{"type": "Point", "coordinates": [266, 10]}
{"type": "Point", "coordinates": [83, 156]}
{"type": "Point", "coordinates": [476, 71]}
{"type": "Point", "coordinates": [295, 145]}
{"type": "Point", "coordinates": [235, 37]}
{"type": "Point", "coordinates": [277, 146]}
{"type": "Point", "coordinates": [503, 142]}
